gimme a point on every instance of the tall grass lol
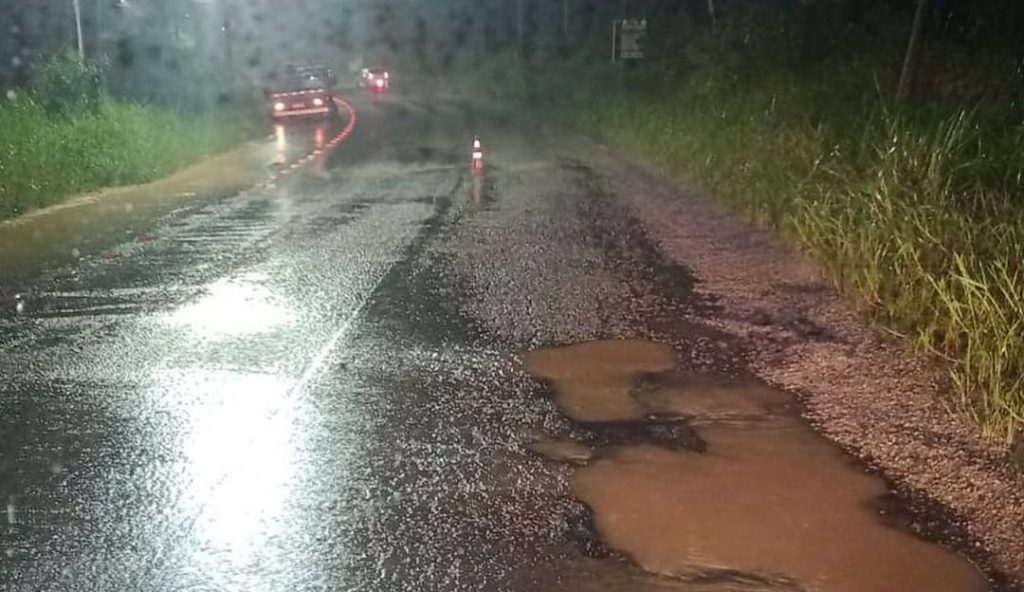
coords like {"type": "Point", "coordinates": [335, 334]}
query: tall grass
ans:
{"type": "Point", "coordinates": [936, 256]}
{"type": "Point", "coordinates": [45, 157]}
{"type": "Point", "coordinates": [916, 213]}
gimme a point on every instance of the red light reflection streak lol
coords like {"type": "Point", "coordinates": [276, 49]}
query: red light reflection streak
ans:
{"type": "Point", "coordinates": [333, 143]}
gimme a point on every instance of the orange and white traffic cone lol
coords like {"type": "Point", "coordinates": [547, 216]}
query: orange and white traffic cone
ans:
{"type": "Point", "coordinates": [477, 161]}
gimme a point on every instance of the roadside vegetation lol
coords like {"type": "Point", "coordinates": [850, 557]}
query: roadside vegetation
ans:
{"type": "Point", "coordinates": [63, 136]}
{"type": "Point", "coordinates": [916, 210]}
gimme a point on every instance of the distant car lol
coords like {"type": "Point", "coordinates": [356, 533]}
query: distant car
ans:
{"type": "Point", "coordinates": [301, 91]}
{"type": "Point", "coordinates": [377, 79]}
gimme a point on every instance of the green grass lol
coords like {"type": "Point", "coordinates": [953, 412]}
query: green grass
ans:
{"type": "Point", "coordinates": [45, 157]}
{"type": "Point", "coordinates": [917, 214]}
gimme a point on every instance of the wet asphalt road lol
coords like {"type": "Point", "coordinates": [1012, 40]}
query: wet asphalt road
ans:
{"type": "Point", "coordinates": [317, 386]}
{"type": "Point", "coordinates": [278, 392]}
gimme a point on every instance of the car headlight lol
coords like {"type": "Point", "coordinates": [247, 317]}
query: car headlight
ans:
{"type": "Point", "coordinates": [278, 106]}
{"type": "Point", "coordinates": [318, 102]}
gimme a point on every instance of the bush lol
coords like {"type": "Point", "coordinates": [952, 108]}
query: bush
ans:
{"type": "Point", "coordinates": [63, 85]}
{"type": "Point", "coordinates": [45, 158]}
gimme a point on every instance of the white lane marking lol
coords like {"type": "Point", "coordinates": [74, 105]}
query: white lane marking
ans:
{"type": "Point", "coordinates": [320, 358]}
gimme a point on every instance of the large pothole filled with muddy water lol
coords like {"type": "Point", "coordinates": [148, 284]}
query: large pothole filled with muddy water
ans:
{"type": "Point", "coordinates": [698, 478]}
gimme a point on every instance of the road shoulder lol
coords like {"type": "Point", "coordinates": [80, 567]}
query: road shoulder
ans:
{"type": "Point", "coordinates": [881, 403]}
{"type": "Point", "coordinates": [59, 234]}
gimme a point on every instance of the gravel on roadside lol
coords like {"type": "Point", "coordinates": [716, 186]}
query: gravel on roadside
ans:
{"type": "Point", "coordinates": [547, 260]}
{"type": "Point", "coordinates": [869, 394]}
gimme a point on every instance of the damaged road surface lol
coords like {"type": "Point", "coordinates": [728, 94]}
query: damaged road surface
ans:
{"type": "Point", "coordinates": [386, 372]}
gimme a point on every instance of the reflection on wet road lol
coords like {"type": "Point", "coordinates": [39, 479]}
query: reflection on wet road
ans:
{"type": "Point", "coordinates": [292, 389]}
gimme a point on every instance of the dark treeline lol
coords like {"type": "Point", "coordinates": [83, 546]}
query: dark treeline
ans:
{"type": "Point", "coordinates": [200, 51]}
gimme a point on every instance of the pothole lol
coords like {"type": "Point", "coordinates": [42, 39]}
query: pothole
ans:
{"type": "Point", "coordinates": [766, 502]}
{"type": "Point", "coordinates": [593, 381]}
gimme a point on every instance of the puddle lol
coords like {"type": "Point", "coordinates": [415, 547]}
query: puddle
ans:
{"type": "Point", "coordinates": [768, 504]}
{"type": "Point", "coordinates": [593, 382]}
{"type": "Point", "coordinates": [61, 233]}
{"type": "Point", "coordinates": [708, 398]}
{"type": "Point", "coordinates": [588, 574]}
{"type": "Point", "coordinates": [774, 500]}
{"type": "Point", "coordinates": [627, 380]}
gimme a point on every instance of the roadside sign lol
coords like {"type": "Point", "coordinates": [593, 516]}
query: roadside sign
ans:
{"type": "Point", "coordinates": [627, 39]}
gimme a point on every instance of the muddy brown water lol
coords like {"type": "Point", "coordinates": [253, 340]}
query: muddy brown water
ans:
{"type": "Point", "coordinates": [768, 501]}
{"type": "Point", "coordinates": [64, 232]}
{"type": "Point", "coordinates": [562, 450]}
{"type": "Point", "coordinates": [593, 381]}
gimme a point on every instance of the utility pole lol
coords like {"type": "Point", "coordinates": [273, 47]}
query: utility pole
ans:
{"type": "Point", "coordinates": [565, 19]}
{"type": "Point", "coordinates": [98, 33]}
{"type": "Point", "coordinates": [227, 31]}
{"type": "Point", "coordinates": [615, 35]}
{"type": "Point", "coordinates": [910, 59]}
{"type": "Point", "coordinates": [76, 4]}
{"type": "Point", "coordinates": [519, 29]}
